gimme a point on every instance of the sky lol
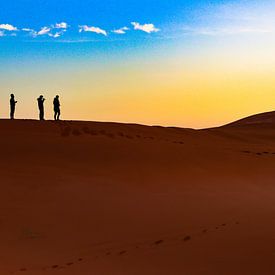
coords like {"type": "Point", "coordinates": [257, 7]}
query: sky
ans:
{"type": "Point", "coordinates": [180, 63]}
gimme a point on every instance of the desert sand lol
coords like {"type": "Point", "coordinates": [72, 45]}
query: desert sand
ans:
{"type": "Point", "coordinates": [109, 199]}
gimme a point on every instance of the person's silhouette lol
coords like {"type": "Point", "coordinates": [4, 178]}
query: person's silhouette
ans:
{"type": "Point", "coordinates": [56, 108]}
{"type": "Point", "coordinates": [12, 106]}
{"type": "Point", "coordinates": [41, 100]}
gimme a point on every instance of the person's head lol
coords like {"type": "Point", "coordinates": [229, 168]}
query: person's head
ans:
{"type": "Point", "coordinates": [12, 95]}
{"type": "Point", "coordinates": [57, 97]}
{"type": "Point", "coordinates": [41, 97]}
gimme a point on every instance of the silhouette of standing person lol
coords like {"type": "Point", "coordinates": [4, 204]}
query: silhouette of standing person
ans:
{"type": "Point", "coordinates": [56, 108]}
{"type": "Point", "coordinates": [12, 106]}
{"type": "Point", "coordinates": [41, 100]}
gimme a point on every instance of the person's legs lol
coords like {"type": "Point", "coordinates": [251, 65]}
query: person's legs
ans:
{"type": "Point", "coordinates": [41, 114]}
{"type": "Point", "coordinates": [12, 113]}
{"type": "Point", "coordinates": [58, 114]}
{"type": "Point", "coordinates": [55, 115]}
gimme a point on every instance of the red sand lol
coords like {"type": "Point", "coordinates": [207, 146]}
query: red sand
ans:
{"type": "Point", "coordinates": [103, 198]}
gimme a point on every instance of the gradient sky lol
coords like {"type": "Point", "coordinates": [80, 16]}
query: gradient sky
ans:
{"type": "Point", "coordinates": [184, 63]}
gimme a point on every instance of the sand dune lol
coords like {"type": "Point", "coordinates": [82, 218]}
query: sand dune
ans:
{"type": "Point", "coordinates": [105, 198]}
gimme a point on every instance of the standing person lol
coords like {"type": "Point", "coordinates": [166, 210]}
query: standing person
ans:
{"type": "Point", "coordinates": [56, 107]}
{"type": "Point", "coordinates": [12, 106]}
{"type": "Point", "coordinates": [41, 100]}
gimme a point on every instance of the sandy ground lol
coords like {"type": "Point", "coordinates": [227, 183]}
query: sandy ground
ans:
{"type": "Point", "coordinates": [103, 198]}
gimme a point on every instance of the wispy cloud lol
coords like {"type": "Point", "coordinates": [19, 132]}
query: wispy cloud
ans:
{"type": "Point", "coordinates": [8, 27]}
{"type": "Point", "coordinates": [239, 18]}
{"type": "Point", "coordinates": [31, 32]}
{"type": "Point", "coordinates": [97, 30]}
{"type": "Point", "coordinates": [62, 25]}
{"type": "Point", "coordinates": [57, 34]}
{"type": "Point", "coordinates": [121, 30]}
{"type": "Point", "coordinates": [212, 31]}
{"type": "Point", "coordinates": [148, 28]}
{"type": "Point", "coordinates": [2, 34]}
{"type": "Point", "coordinates": [44, 30]}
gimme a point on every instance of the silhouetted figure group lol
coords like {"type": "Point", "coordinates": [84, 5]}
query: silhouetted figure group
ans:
{"type": "Point", "coordinates": [40, 100]}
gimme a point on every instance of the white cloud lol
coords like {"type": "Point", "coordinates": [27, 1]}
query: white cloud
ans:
{"type": "Point", "coordinates": [149, 28]}
{"type": "Point", "coordinates": [57, 34]}
{"type": "Point", "coordinates": [7, 27]}
{"type": "Point", "coordinates": [2, 34]}
{"type": "Point", "coordinates": [97, 30]}
{"type": "Point", "coordinates": [61, 25]}
{"type": "Point", "coordinates": [32, 32]}
{"type": "Point", "coordinates": [44, 30]}
{"type": "Point", "coordinates": [121, 30]}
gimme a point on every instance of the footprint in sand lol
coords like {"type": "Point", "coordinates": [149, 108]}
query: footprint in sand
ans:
{"type": "Point", "coordinates": [187, 238]}
{"type": "Point", "coordinates": [122, 252]}
{"type": "Point", "coordinates": [158, 242]}
{"type": "Point", "coordinates": [178, 142]}
{"type": "Point", "coordinates": [149, 138]}
{"type": "Point", "coordinates": [69, 264]}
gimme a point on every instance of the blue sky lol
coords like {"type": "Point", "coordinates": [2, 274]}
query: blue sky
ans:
{"type": "Point", "coordinates": [108, 14]}
{"type": "Point", "coordinates": [123, 24]}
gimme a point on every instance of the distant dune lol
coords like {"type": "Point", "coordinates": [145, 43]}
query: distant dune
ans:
{"type": "Point", "coordinates": [264, 119]}
{"type": "Point", "coordinates": [113, 199]}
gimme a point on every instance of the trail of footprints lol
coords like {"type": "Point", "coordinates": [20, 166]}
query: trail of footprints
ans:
{"type": "Point", "coordinates": [263, 153]}
{"type": "Point", "coordinates": [68, 131]}
{"type": "Point", "coordinates": [179, 239]}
